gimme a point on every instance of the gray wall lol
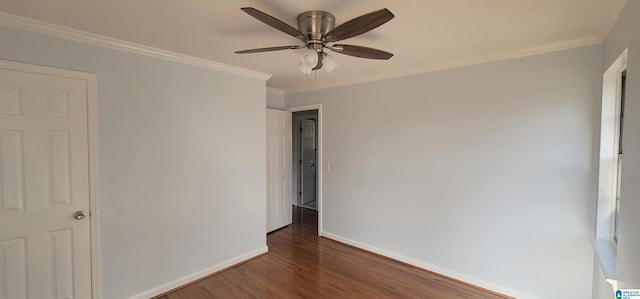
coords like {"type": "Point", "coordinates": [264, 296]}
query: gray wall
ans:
{"type": "Point", "coordinates": [625, 34]}
{"type": "Point", "coordinates": [275, 99]}
{"type": "Point", "coordinates": [486, 171]}
{"type": "Point", "coordinates": [175, 195]}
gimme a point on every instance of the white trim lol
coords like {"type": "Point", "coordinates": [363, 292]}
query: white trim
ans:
{"type": "Point", "coordinates": [609, 17]}
{"type": "Point", "coordinates": [429, 267]}
{"type": "Point", "coordinates": [604, 244]}
{"type": "Point", "coordinates": [609, 131]}
{"type": "Point", "coordinates": [445, 65]}
{"type": "Point", "coordinates": [200, 274]}
{"type": "Point", "coordinates": [36, 26]}
{"type": "Point", "coordinates": [92, 134]}
{"type": "Point", "coordinates": [320, 158]}
{"type": "Point", "coordinates": [607, 255]}
{"type": "Point", "coordinates": [92, 113]}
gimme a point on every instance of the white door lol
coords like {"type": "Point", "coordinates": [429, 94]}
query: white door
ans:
{"type": "Point", "coordinates": [44, 180]}
{"type": "Point", "coordinates": [278, 169]}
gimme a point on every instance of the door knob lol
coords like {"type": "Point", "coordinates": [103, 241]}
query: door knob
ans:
{"type": "Point", "coordinates": [79, 215]}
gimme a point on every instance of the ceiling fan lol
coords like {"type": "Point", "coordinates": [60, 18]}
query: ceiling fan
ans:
{"type": "Point", "coordinates": [317, 30]}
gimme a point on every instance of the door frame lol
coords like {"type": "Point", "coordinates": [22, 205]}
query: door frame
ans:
{"type": "Point", "coordinates": [92, 139]}
{"type": "Point", "coordinates": [320, 162]}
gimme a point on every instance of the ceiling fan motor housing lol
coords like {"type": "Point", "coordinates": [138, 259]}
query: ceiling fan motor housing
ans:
{"type": "Point", "coordinates": [315, 24]}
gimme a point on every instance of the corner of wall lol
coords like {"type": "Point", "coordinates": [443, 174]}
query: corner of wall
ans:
{"type": "Point", "coordinates": [172, 285]}
{"type": "Point", "coordinates": [431, 268]}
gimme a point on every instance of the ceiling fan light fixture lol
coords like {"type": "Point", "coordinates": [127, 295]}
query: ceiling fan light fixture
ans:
{"type": "Point", "coordinates": [329, 63]}
{"type": "Point", "coordinates": [303, 69]}
{"type": "Point", "coordinates": [308, 61]}
{"type": "Point", "coordinates": [310, 58]}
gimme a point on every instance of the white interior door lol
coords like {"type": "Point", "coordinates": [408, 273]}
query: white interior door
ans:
{"type": "Point", "coordinates": [44, 180]}
{"type": "Point", "coordinates": [278, 169]}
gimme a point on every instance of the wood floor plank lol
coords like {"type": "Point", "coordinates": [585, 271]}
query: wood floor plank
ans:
{"type": "Point", "coordinates": [301, 264]}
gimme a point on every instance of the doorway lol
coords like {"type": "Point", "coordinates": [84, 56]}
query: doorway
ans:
{"type": "Point", "coordinates": [307, 177]}
{"type": "Point", "coordinates": [305, 147]}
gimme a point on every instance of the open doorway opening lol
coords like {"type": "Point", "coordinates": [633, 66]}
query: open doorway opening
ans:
{"type": "Point", "coordinates": [307, 177]}
{"type": "Point", "coordinates": [305, 155]}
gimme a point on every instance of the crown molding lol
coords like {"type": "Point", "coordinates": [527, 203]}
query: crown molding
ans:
{"type": "Point", "coordinates": [445, 65]}
{"type": "Point", "coordinates": [40, 27]}
{"type": "Point", "coordinates": [609, 17]}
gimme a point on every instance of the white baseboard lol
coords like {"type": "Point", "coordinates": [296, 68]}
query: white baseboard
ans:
{"type": "Point", "coordinates": [428, 267]}
{"type": "Point", "coordinates": [200, 274]}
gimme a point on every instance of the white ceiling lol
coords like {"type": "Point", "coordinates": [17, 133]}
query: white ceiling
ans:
{"type": "Point", "coordinates": [425, 35]}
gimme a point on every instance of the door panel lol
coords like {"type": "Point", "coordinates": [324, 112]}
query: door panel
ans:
{"type": "Point", "coordinates": [11, 170]}
{"type": "Point", "coordinates": [44, 177]}
{"type": "Point", "coordinates": [13, 269]}
{"type": "Point", "coordinates": [309, 160]}
{"type": "Point", "coordinates": [60, 188]}
{"type": "Point", "coordinates": [278, 169]}
{"type": "Point", "coordinates": [62, 263]}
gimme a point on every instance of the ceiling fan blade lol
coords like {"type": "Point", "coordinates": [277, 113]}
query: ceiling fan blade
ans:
{"type": "Point", "coordinates": [319, 64]}
{"type": "Point", "coordinates": [275, 23]}
{"type": "Point", "coordinates": [362, 52]}
{"type": "Point", "coordinates": [359, 25]}
{"type": "Point", "coordinates": [269, 49]}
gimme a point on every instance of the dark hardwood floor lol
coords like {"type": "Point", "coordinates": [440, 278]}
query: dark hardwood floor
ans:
{"type": "Point", "coordinates": [302, 265]}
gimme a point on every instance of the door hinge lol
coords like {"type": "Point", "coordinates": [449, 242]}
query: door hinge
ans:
{"type": "Point", "coordinates": [300, 161]}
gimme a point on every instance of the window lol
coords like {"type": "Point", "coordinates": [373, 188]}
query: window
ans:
{"type": "Point", "coordinates": [620, 123]}
{"type": "Point", "coordinates": [611, 150]}
{"type": "Point", "coordinates": [610, 171]}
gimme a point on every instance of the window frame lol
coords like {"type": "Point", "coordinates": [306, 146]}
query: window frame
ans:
{"type": "Point", "coordinates": [609, 174]}
{"type": "Point", "coordinates": [619, 162]}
